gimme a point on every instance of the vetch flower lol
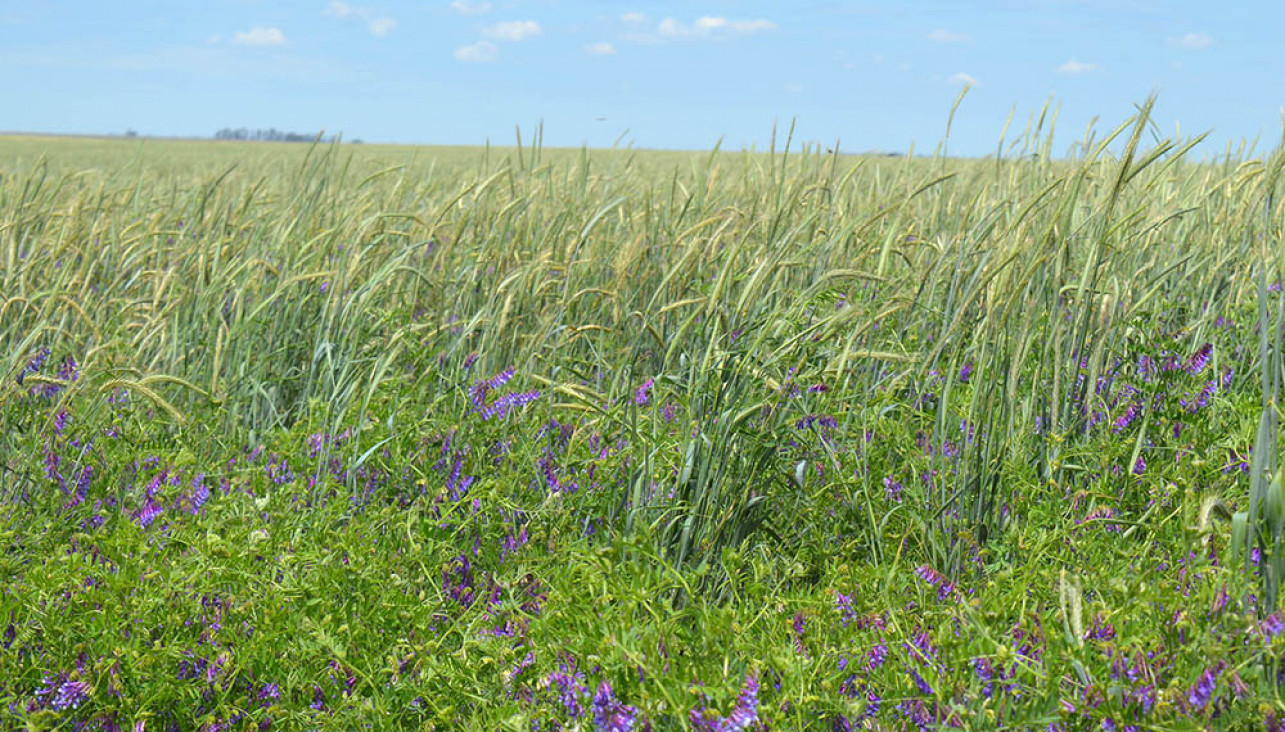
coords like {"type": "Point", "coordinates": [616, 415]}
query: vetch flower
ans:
{"type": "Point", "coordinates": [33, 365]}
{"type": "Point", "coordinates": [843, 603]}
{"type": "Point", "coordinates": [61, 693]}
{"type": "Point", "coordinates": [609, 713]}
{"type": "Point", "coordinates": [641, 395]}
{"type": "Point", "coordinates": [569, 691]}
{"type": "Point", "coordinates": [200, 493]}
{"type": "Point", "coordinates": [1198, 360]}
{"type": "Point", "coordinates": [70, 694]}
{"type": "Point", "coordinates": [669, 412]}
{"type": "Point", "coordinates": [1271, 626]}
{"type": "Point", "coordinates": [507, 403]}
{"type": "Point", "coordinates": [986, 674]}
{"type": "Point", "coordinates": [84, 477]}
{"type": "Point", "coordinates": [148, 513]}
{"type": "Point", "coordinates": [482, 387]}
{"type": "Point", "coordinates": [742, 716]}
{"type": "Point", "coordinates": [821, 419]}
{"type": "Point", "coordinates": [892, 489]}
{"type": "Point", "coordinates": [936, 579]}
{"type": "Point", "coordinates": [924, 687]}
{"type": "Point", "coordinates": [1126, 418]}
{"type": "Point", "coordinates": [800, 624]}
{"type": "Point", "coordinates": [1205, 687]}
{"type": "Point", "coordinates": [745, 713]}
{"type": "Point", "coordinates": [268, 694]}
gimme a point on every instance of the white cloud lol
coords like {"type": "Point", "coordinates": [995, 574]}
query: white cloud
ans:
{"type": "Point", "coordinates": [470, 7]}
{"type": "Point", "coordinates": [378, 25]}
{"type": "Point", "coordinates": [1075, 68]}
{"type": "Point", "coordinates": [962, 78]}
{"type": "Point", "coordinates": [711, 25]}
{"type": "Point", "coordinates": [261, 36]}
{"type": "Point", "coordinates": [634, 18]}
{"type": "Point", "coordinates": [1193, 41]}
{"type": "Point", "coordinates": [944, 36]}
{"type": "Point", "coordinates": [477, 53]}
{"type": "Point", "coordinates": [513, 30]}
{"type": "Point", "coordinates": [601, 48]}
{"type": "Point", "coordinates": [670, 27]}
{"type": "Point", "coordinates": [339, 9]}
{"type": "Point", "coordinates": [381, 26]}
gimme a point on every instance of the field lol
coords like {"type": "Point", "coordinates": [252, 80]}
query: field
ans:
{"type": "Point", "coordinates": [343, 437]}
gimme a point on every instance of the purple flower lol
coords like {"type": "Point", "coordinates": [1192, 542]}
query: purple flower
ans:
{"type": "Point", "coordinates": [920, 648]}
{"type": "Point", "coordinates": [268, 694]}
{"type": "Point", "coordinates": [641, 395]}
{"type": "Point", "coordinates": [60, 693]}
{"type": "Point", "coordinates": [745, 713]}
{"type": "Point", "coordinates": [966, 371]}
{"type": "Point", "coordinates": [1205, 687]}
{"type": "Point", "coordinates": [821, 419]}
{"type": "Point", "coordinates": [1099, 514]}
{"type": "Point", "coordinates": [279, 473]}
{"type": "Point", "coordinates": [569, 691]}
{"type": "Point", "coordinates": [68, 372]}
{"type": "Point", "coordinates": [800, 623]}
{"type": "Point", "coordinates": [148, 513]}
{"type": "Point", "coordinates": [876, 656]}
{"type": "Point", "coordinates": [924, 687]}
{"type": "Point", "coordinates": [985, 671]}
{"type": "Point", "coordinates": [742, 716]}
{"type": "Point", "coordinates": [669, 412]}
{"type": "Point", "coordinates": [84, 477]}
{"type": "Point", "coordinates": [936, 579]}
{"type": "Point", "coordinates": [1100, 631]}
{"type": "Point", "coordinates": [1271, 626]}
{"type": "Point", "coordinates": [482, 387]}
{"type": "Point", "coordinates": [1140, 466]}
{"type": "Point", "coordinates": [507, 403]}
{"type": "Point", "coordinates": [1126, 418]}
{"type": "Point", "coordinates": [200, 493]}
{"type": "Point", "coordinates": [892, 489]}
{"type": "Point", "coordinates": [33, 365]}
{"type": "Point", "coordinates": [609, 713]}
{"type": "Point", "coordinates": [843, 603]}
{"type": "Point", "coordinates": [1198, 360]}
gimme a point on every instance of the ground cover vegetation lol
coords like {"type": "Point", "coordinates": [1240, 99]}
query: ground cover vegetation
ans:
{"type": "Point", "coordinates": [337, 438]}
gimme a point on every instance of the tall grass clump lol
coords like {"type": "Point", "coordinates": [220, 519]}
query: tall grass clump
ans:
{"type": "Point", "coordinates": [530, 439]}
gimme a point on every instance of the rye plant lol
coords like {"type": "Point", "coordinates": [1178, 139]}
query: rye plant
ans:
{"type": "Point", "coordinates": [326, 436]}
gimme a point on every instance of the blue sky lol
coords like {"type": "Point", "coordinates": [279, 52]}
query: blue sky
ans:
{"type": "Point", "coordinates": [873, 75]}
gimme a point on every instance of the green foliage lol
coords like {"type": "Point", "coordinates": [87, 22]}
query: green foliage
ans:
{"type": "Point", "coordinates": [513, 438]}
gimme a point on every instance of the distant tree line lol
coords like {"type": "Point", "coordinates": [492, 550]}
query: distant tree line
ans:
{"type": "Point", "coordinates": [270, 134]}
